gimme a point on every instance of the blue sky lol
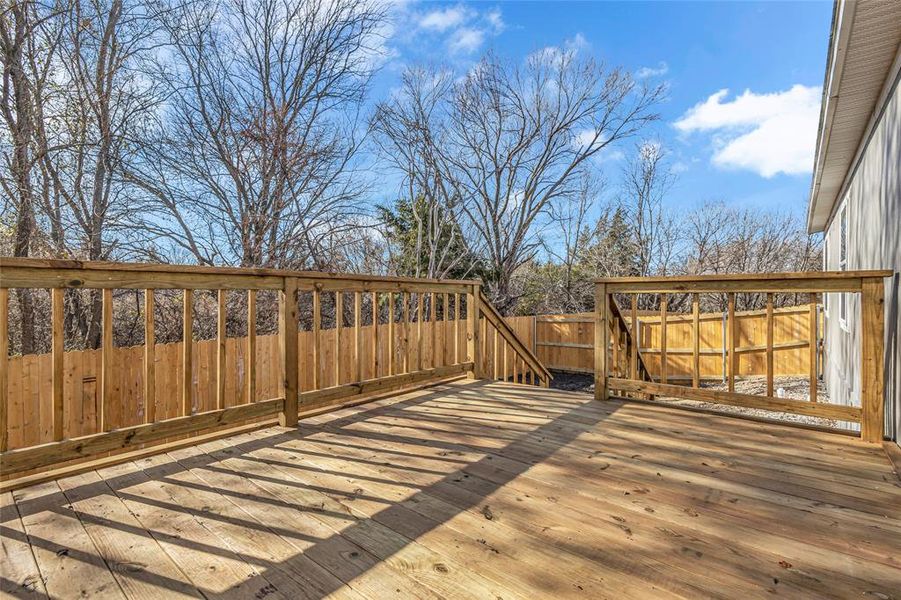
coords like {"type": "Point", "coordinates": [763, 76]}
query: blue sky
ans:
{"type": "Point", "coordinates": [751, 145]}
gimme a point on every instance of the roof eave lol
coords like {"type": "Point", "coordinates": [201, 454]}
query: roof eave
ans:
{"type": "Point", "coordinates": [842, 18]}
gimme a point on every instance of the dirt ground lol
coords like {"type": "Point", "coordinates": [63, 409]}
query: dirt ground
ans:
{"type": "Point", "coordinates": [795, 388]}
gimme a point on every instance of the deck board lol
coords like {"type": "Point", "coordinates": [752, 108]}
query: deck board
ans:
{"type": "Point", "coordinates": [473, 490]}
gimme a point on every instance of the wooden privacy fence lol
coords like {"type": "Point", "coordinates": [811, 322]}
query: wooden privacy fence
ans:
{"type": "Point", "coordinates": [566, 342]}
{"type": "Point", "coordinates": [623, 367]}
{"type": "Point", "coordinates": [67, 406]}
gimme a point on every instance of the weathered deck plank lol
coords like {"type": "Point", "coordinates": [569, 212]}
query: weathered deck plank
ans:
{"type": "Point", "coordinates": [473, 490]}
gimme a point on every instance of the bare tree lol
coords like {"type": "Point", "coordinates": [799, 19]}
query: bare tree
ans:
{"type": "Point", "coordinates": [570, 216]}
{"type": "Point", "coordinates": [646, 182]}
{"type": "Point", "coordinates": [410, 129]}
{"type": "Point", "coordinates": [720, 238]}
{"type": "Point", "coordinates": [18, 24]}
{"type": "Point", "coordinates": [81, 101]}
{"type": "Point", "coordinates": [256, 163]}
{"type": "Point", "coordinates": [506, 141]}
{"type": "Point", "coordinates": [521, 134]}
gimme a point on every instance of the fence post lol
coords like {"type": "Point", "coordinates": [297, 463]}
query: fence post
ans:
{"type": "Point", "coordinates": [872, 341]}
{"type": "Point", "coordinates": [288, 341]}
{"type": "Point", "coordinates": [601, 338]}
{"type": "Point", "coordinates": [472, 332]}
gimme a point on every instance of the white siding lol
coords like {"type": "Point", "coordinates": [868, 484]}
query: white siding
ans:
{"type": "Point", "coordinates": [873, 201]}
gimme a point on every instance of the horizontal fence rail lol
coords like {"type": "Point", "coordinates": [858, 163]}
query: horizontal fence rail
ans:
{"type": "Point", "coordinates": [618, 368]}
{"type": "Point", "coordinates": [385, 333]}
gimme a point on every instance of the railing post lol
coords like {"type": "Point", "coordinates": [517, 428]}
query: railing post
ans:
{"type": "Point", "coordinates": [473, 344]}
{"type": "Point", "coordinates": [872, 341]}
{"type": "Point", "coordinates": [601, 339]}
{"type": "Point", "coordinates": [4, 369]}
{"type": "Point", "coordinates": [288, 341]}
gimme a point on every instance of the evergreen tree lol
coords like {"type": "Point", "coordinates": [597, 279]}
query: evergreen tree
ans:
{"type": "Point", "coordinates": [426, 241]}
{"type": "Point", "coordinates": [609, 248]}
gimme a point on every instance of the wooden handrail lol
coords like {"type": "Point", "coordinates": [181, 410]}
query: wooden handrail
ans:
{"type": "Point", "coordinates": [501, 325]}
{"type": "Point", "coordinates": [135, 268]}
{"type": "Point", "coordinates": [808, 282]}
{"type": "Point", "coordinates": [765, 278]}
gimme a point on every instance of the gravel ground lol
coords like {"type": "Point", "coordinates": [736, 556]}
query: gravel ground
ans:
{"type": "Point", "coordinates": [795, 388]}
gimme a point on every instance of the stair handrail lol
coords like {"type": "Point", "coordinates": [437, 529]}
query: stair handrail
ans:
{"type": "Point", "coordinates": [617, 314]}
{"type": "Point", "coordinates": [500, 324]}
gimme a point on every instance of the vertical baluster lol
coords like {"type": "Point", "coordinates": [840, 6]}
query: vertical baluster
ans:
{"type": "Point", "coordinates": [769, 344]}
{"type": "Point", "coordinates": [419, 301]}
{"type": "Point", "coordinates": [57, 327]}
{"type": "Point", "coordinates": [434, 316]}
{"type": "Point", "coordinates": [456, 329]}
{"type": "Point", "coordinates": [663, 360]}
{"type": "Point", "coordinates": [812, 347]}
{"type": "Point", "coordinates": [504, 374]}
{"type": "Point", "coordinates": [187, 357]}
{"type": "Point", "coordinates": [358, 334]}
{"type": "Point", "coordinates": [288, 330]}
{"type": "Point", "coordinates": [731, 331]}
{"type": "Point", "coordinates": [317, 329]}
{"type": "Point", "coordinates": [484, 367]}
{"type": "Point", "coordinates": [515, 367]}
{"type": "Point", "coordinates": [391, 341]}
{"type": "Point", "coordinates": [634, 354]}
{"type": "Point", "coordinates": [615, 344]}
{"type": "Point", "coordinates": [375, 335]}
{"type": "Point", "coordinates": [695, 341]}
{"type": "Point", "coordinates": [149, 357]}
{"type": "Point", "coordinates": [4, 369]}
{"type": "Point", "coordinates": [220, 350]}
{"type": "Point", "coordinates": [339, 326]}
{"type": "Point", "coordinates": [497, 354]}
{"type": "Point", "coordinates": [446, 331]}
{"type": "Point", "coordinates": [106, 360]}
{"type": "Point", "coordinates": [405, 307]}
{"type": "Point", "coordinates": [251, 354]}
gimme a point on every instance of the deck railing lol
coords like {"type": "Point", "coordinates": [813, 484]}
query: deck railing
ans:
{"type": "Point", "coordinates": [386, 355]}
{"type": "Point", "coordinates": [612, 331]}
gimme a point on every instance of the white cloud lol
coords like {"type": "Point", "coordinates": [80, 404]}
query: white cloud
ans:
{"type": "Point", "coordinates": [556, 54]}
{"type": "Point", "coordinates": [496, 21]}
{"type": "Point", "coordinates": [577, 43]}
{"type": "Point", "coordinates": [461, 29]}
{"type": "Point", "coordinates": [764, 133]}
{"type": "Point", "coordinates": [584, 138]}
{"type": "Point", "coordinates": [442, 20]}
{"type": "Point", "coordinates": [661, 69]}
{"type": "Point", "coordinates": [466, 40]}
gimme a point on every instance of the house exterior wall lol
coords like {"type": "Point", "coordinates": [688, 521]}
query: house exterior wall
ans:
{"type": "Point", "coordinates": [873, 241]}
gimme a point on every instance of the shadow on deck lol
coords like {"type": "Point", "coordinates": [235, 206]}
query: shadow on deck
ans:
{"type": "Point", "coordinates": [472, 490]}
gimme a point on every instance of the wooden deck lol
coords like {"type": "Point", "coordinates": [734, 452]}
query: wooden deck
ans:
{"type": "Point", "coordinates": [473, 490]}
